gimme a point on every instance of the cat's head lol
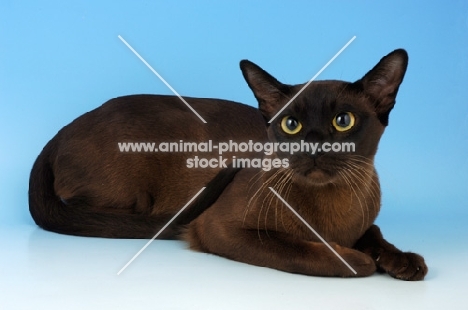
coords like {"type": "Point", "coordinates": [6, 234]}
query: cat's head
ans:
{"type": "Point", "coordinates": [329, 113]}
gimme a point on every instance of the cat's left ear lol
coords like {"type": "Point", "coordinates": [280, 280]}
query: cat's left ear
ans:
{"type": "Point", "coordinates": [270, 93]}
{"type": "Point", "coordinates": [382, 82]}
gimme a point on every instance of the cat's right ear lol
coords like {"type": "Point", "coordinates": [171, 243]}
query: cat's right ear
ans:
{"type": "Point", "coordinates": [270, 93]}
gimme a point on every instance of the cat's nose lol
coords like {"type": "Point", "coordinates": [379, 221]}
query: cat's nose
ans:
{"type": "Point", "coordinates": [315, 154]}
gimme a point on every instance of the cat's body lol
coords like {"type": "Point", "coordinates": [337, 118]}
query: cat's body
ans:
{"type": "Point", "coordinates": [81, 184]}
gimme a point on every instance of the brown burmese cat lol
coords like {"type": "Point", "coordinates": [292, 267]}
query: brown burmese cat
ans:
{"type": "Point", "coordinates": [81, 184]}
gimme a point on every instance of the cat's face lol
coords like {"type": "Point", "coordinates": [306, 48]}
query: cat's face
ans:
{"type": "Point", "coordinates": [344, 121]}
{"type": "Point", "coordinates": [340, 123]}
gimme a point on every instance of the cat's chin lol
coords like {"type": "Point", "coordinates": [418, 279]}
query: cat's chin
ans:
{"type": "Point", "coordinates": [318, 177]}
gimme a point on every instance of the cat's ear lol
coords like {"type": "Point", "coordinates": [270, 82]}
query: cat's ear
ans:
{"type": "Point", "coordinates": [382, 82]}
{"type": "Point", "coordinates": [270, 93]}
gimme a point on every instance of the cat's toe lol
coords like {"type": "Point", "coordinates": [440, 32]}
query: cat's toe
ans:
{"type": "Point", "coordinates": [406, 266]}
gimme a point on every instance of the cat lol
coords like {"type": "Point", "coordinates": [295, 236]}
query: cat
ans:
{"type": "Point", "coordinates": [81, 183]}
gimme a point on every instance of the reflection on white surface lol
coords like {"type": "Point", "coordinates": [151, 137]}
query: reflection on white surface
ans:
{"type": "Point", "coordinates": [43, 270]}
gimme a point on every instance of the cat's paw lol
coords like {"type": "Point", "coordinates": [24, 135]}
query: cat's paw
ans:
{"type": "Point", "coordinates": [403, 265]}
{"type": "Point", "coordinates": [362, 263]}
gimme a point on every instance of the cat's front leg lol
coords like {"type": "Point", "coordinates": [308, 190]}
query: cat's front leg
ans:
{"type": "Point", "coordinates": [400, 265]}
{"type": "Point", "coordinates": [277, 250]}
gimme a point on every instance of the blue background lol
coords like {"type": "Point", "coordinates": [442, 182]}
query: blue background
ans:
{"type": "Point", "coordinates": [60, 59]}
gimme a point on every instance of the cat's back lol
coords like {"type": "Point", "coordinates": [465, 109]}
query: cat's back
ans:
{"type": "Point", "coordinates": [157, 104]}
{"type": "Point", "coordinates": [160, 116]}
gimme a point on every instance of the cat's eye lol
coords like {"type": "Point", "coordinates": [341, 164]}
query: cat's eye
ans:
{"type": "Point", "coordinates": [290, 125]}
{"type": "Point", "coordinates": [344, 121]}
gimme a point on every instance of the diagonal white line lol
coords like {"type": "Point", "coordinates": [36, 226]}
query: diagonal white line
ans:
{"type": "Point", "coordinates": [161, 78]}
{"type": "Point", "coordinates": [312, 79]}
{"type": "Point", "coordinates": [313, 230]}
{"type": "Point", "coordinates": [160, 231]}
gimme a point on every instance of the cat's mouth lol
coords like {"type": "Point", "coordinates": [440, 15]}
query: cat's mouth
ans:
{"type": "Point", "coordinates": [317, 173]}
{"type": "Point", "coordinates": [314, 171]}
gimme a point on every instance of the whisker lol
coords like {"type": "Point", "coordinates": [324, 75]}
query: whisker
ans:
{"type": "Point", "coordinates": [257, 195]}
{"type": "Point", "coordinates": [279, 184]}
{"type": "Point", "coordinates": [346, 176]}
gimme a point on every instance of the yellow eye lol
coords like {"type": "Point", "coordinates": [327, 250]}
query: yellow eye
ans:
{"type": "Point", "coordinates": [343, 121]}
{"type": "Point", "coordinates": [290, 125]}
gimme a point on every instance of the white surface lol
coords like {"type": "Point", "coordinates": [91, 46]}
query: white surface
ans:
{"type": "Point", "coordinates": [43, 270]}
